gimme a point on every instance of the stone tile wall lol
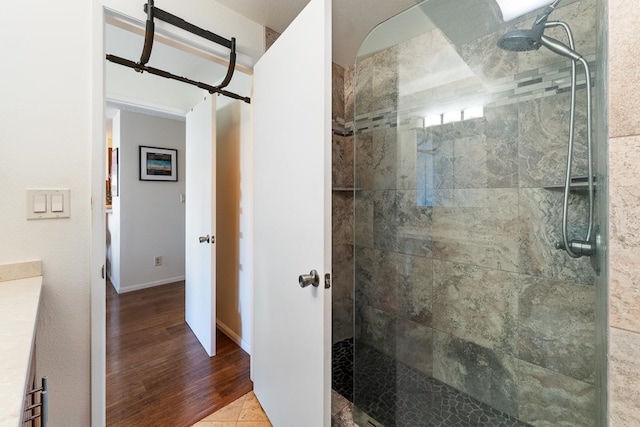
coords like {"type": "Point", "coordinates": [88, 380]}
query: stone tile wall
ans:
{"type": "Point", "coordinates": [457, 274]}
{"type": "Point", "coordinates": [624, 211]}
{"type": "Point", "coordinates": [342, 215]}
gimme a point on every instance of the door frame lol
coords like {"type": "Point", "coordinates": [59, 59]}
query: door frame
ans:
{"type": "Point", "coordinates": [101, 12]}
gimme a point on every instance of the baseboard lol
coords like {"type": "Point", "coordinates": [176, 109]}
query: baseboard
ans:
{"type": "Point", "coordinates": [126, 289]}
{"type": "Point", "coordinates": [115, 285]}
{"type": "Point", "coordinates": [233, 336]}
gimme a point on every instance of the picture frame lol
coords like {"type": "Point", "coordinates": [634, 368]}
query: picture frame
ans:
{"type": "Point", "coordinates": [158, 164]}
{"type": "Point", "coordinates": [113, 172]}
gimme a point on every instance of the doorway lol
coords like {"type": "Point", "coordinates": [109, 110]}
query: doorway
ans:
{"type": "Point", "coordinates": [232, 134]}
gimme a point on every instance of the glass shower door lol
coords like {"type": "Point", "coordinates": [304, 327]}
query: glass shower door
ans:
{"type": "Point", "coordinates": [465, 312]}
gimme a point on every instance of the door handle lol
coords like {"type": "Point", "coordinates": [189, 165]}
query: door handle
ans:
{"type": "Point", "coordinates": [204, 239]}
{"type": "Point", "coordinates": [309, 279]}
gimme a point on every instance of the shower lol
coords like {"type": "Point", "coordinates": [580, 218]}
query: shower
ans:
{"type": "Point", "coordinates": [464, 311]}
{"type": "Point", "coordinates": [533, 39]}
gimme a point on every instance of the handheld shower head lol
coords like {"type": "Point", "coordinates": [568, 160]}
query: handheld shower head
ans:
{"type": "Point", "coordinates": [559, 48]}
{"type": "Point", "coordinates": [520, 41]}
{"type": "Point", "coordinates": [524, 40]}
{"type": "Point", "coordinates": [533, 39]}
{"type": "Point", "coordinates": [527, 40]}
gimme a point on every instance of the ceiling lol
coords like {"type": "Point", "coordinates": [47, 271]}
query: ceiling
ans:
{"type": "Point", "coordinates": [352, 19]}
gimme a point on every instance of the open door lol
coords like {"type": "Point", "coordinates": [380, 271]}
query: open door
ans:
{"type": "Point", "coordinates": [200, 228]}
{"type": "Point", "coordinates": [292, 158]}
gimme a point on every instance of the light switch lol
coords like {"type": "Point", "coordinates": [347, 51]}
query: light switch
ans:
{"type": "Point", "coordinates": [57, 203]}
{"type": "Point", "coordinates": [39, 203]}
{"type": "Point", "coordinates": [44, 203]}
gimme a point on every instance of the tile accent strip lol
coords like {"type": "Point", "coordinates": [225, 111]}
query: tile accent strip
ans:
{"type": "Point", "coordinates": [546, 81]}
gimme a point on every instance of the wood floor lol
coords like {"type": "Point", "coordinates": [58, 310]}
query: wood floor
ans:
{"type": "Point", "coordinates": [157, 372]}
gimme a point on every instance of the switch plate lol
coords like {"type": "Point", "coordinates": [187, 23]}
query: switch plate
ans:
{"type": "Point", "coordinates": [43, 203]}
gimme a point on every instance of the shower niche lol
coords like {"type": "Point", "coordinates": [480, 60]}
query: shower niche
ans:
{"type": "Point", "coordinates": [465, 311]}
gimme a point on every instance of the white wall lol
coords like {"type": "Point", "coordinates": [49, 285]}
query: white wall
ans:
{"type": "Point", "coordinates": [48, 130]}
{"type": "Point", "coordinates": [234, 227]}
{"type": "Point", "coordinates": [45, 140]}
{"type": "Point", "coordinates": [148, 214]}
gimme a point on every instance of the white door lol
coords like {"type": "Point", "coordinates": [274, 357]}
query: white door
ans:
{"type": "Point", "coordinates": [200, 218]}
{"type": "Point", "coordinates": [292, 156]}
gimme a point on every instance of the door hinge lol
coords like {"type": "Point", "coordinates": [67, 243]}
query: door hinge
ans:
{"type": "Point", "coordinates": [103, 271]}
{"type": "Point", "coordinates": [327, 281]}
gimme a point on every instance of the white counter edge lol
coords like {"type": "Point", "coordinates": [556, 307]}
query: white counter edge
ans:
{"type": "Point", "coordinates": [19, 300]}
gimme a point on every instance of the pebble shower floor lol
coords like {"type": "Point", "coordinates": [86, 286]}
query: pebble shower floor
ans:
{"type": "Point", "coordinates": [396, 395]}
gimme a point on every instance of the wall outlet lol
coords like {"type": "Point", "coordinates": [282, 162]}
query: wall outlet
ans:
{"type": "Point", "coordinates": [157, 260]}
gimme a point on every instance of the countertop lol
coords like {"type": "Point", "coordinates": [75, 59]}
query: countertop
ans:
{"type": "Point", "coordinates": [19, 300]}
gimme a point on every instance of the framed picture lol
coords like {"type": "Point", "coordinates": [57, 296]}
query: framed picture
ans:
{"type": "Point", "coordinates": [113, 172]}
{"type": "Point", "coordinates": [158, 164]}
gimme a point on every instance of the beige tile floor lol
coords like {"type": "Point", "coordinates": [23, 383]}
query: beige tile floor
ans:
{"type": "Point", "coordinates": [243, 412]}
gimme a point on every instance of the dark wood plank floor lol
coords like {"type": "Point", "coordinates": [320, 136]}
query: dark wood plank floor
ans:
{"type": "Point", "coordinates": [158, 374]}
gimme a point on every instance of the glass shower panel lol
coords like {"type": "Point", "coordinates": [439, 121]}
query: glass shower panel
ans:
{"type": "Point", "coordinates": [465, 312]}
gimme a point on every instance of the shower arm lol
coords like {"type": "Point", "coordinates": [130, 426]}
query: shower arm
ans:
{"type": "Point", "coordinates": [576, 248]}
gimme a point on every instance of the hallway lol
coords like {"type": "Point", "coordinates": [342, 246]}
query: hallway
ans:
{"type": "Point", "coordinates": [157, 372]}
